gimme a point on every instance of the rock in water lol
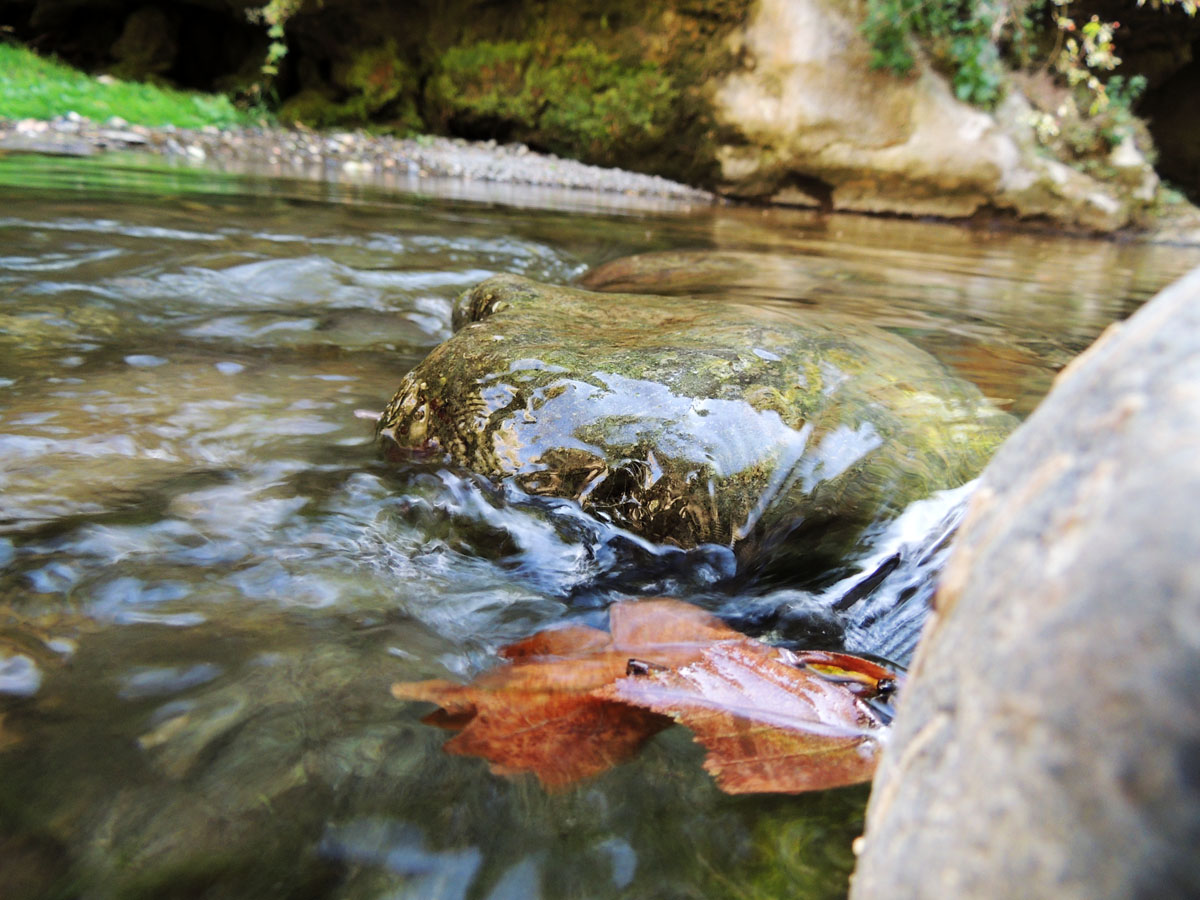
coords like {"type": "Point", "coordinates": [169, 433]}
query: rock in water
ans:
{"type": "Point", "coordinates": [1048, 743]}
{"type": "Point", "coordinates": [765, 428]}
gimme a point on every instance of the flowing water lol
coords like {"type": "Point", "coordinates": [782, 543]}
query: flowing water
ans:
{"type": "Point", "coordinates": [209, 577]}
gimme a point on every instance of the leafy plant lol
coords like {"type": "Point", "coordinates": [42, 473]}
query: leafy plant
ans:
{"type": "Point", "coordinates": [958, 34]}
{"type": "Point", "coordinates": [274, 15]}
{"type": "Point", "coordinates": [963, 38]}
{"type": "Point", "coordinates": [575, 701]}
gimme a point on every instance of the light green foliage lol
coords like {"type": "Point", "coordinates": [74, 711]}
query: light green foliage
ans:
{"type": "Point", "coordinates": [964, 38]}
{"type": "Point", "coordinates": [274, 15]}
{"type": "Point", "coordinates": [33, 87]}
{"type": "Point", "coordinates": [1096, 114]}
{"type": "Point", "coordinates": [1083, 53]}
{"type": "Point", "coordinates": [568, 98]}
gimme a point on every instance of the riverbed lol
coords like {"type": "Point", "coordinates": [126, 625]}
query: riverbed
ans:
{"type": "Point", "coordinates": [209, 576]}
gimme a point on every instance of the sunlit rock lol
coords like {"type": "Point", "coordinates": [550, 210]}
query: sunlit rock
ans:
{"type": "Point", "coordinates": [811, 123]}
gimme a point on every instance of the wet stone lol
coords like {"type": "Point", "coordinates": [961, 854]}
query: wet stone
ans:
{"type": "Point", "coordinates": [776, 431]}
{"type": "Point", "coordinates": [19, 675]}
{"type": "Point", "coordinates": [1049, 729]}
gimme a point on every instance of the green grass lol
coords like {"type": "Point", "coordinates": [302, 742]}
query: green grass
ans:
{"type": "Point", "coordinates": [35, 88]}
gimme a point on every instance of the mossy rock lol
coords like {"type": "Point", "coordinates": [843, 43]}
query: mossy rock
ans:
{"type": "Point", "coordinates": [779, 432]}
{"type": "Point", "coordinates": [609, 82]}
{"type": "Point", "coordinates": [569, 98]}
{"type": "Point", "coordinates": [374, 85]}
{"type": "Point", "coordinates": [708, 272]}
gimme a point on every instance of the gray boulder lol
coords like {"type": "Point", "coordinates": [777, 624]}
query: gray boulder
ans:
{"type": "Point", "coordinates": [1048, 743]}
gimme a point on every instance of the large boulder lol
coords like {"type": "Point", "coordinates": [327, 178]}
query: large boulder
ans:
{"type": "Point", "coordinates": [808, 121]}
{"type": "Point", "coordinates": [693, 421]}
{"type": "Point", "coordinates": [1048, 742]}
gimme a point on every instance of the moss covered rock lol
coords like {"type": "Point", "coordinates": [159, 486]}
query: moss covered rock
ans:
{"type": "Point", "coordinates": [605, 81]}
{"type": "Point", "coordinates": [764, 428]}
{"type": "Point", "coordinates": [570, 98]}
{"type": "Point", "coordinates": [374, 84]}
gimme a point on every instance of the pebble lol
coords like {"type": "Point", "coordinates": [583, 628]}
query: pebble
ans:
{"type": "Point", "coordinates": [309, 154]}
{"type": "Point", "coordinates": [19, 676]}
{"type": "Point", "coordinates": [113, 136]}
{"type": "Point", "coordinates": [144, 361]}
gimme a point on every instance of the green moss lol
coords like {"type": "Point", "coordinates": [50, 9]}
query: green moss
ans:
{"type": "Point", "coordinates": [606, 81]}
{"type": "Point", "coordinates": [573, 99]}
{"type": "Point", "coordinates": [375, 85]}
{"type": "Point", "coordinates": [381, 85]}
{"type": "Point", "coordinates": [32, 87]}
{"type": "Point", "coordinates": [803, 849]}
{"type": "Point", "coordinates": [637, 406]}
{"type": "Point", "coordinates": [484, 83]}
{"type": "Point", "coordinates": [312, 107]}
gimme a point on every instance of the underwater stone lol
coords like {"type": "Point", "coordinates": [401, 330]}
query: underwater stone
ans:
{"type": "Point", "coordinates": [19, 675]}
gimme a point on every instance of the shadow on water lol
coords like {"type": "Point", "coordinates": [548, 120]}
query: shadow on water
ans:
{"type": "Point", "coordinates": [209, 578]}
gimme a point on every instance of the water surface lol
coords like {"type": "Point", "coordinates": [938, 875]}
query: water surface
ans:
{"type": "Point", "coordinates": [209, 577]}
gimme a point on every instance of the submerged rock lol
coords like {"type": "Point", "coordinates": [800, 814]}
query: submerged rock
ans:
{"type": "Point", "coordinates": [675, 272]}
{"type": "Point", "coordinates": [1049, 731]}
{"type": "Point", "coordinates": [761, 427]}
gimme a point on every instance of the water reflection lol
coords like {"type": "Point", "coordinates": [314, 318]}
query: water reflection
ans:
{"type": "Point", "coordinates": [209, 579]}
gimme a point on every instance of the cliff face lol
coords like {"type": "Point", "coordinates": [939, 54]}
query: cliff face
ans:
{"type": "Point", "coordinates": [814, 123]}
{"type": "Point", "coordinates": [773, 100]}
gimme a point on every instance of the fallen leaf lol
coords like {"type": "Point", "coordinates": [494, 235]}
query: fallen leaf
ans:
{"type": "Point", "coordinates": [540, 714]}
{"type": "Point", "coordinates": [768, 724]}
{"type": "Point", "coordinates": [575, 701]}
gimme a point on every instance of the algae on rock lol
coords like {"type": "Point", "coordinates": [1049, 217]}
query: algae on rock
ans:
{"type": "Point", "coordinates": [611, 83]}
{"type": "Point", "coordinates": [775, 431]}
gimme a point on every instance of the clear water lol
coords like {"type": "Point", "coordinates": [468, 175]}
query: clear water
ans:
{"type": "Point", "coordinates": [209, 578]}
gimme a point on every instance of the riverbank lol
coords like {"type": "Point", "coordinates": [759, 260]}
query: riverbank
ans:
{"type": "Point", "coordinates": [474, 170]}
{"type": "Point", "coordinates": [309, 154]}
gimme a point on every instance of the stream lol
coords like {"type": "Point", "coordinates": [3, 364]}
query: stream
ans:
{"type": "Point", "coordinates": [210, 577]}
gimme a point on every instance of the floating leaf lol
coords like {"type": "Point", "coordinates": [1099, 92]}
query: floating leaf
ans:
{"type": "Point", "coordinates": [540, 714]}
{"type": "Point", "coordinates": [575, 701]}
{"type": "Point", "coordinates": [768, 725]}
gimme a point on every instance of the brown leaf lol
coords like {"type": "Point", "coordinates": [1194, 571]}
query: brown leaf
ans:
{"type": "Point", "coordinates": [768, 725]}
{"type": "Point", "coordinates": [540, 715]}
{"type": "Point", "coordinates": [575, 701]}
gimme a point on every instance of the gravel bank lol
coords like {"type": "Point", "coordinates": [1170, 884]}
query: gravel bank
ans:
{"type": "Point", "coordinates": [310, 154]}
